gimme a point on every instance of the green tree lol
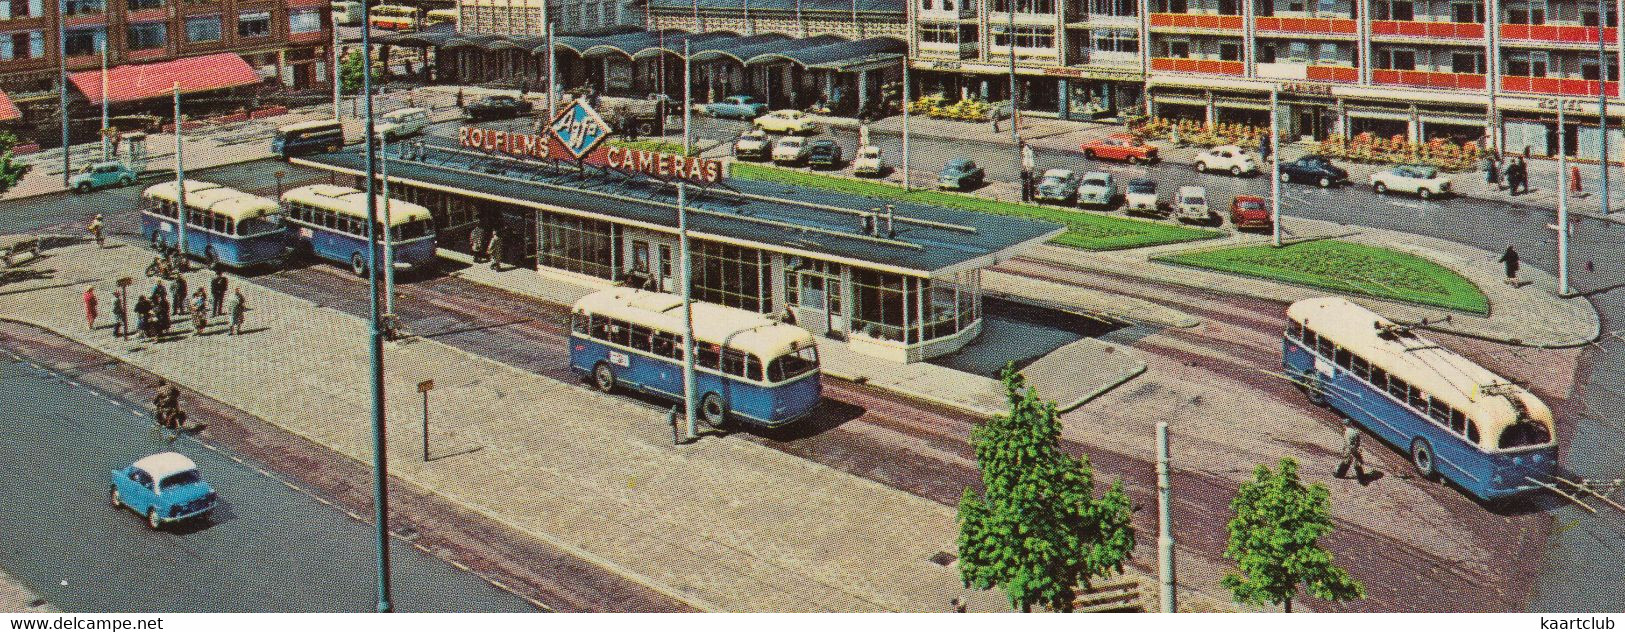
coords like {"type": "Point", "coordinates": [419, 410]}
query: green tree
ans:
{"type": "Point", "coordinates": [1274, 540]}
{"type": "Point", "coordinates": [350, 72]}
{"type": "Point", "coordinates": [1037, 530]}
{"type": "Point", "coordinates": [11, 171]}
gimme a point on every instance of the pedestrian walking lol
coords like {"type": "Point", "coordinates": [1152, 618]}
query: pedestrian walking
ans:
{"type": "Point", "coordinates": [1264, 147]}
{"type": "Point", "coordinates": [200, 311]}
{"type": "Point", "coordinates": [994, 117]}
{"type": "Point", "coordinates": [158, 290]}
{"type": "Point", "coordinates": [121, 316]}
{"type": "Point", "coordinates": [178, 294]}
{"type": "Point", "coordinates": [957, 603]}
{"type": "Point", "coordinates": [1492, 171]}
{"type": "Point", "coordinates": [1351, 454]}
{"type": "Point", "coordinates": [495, 250]}
{"type": "Point", "coordinates": [459, 97]}
{"type": "Point", "coordinates": [95, 229]}
{"type": "Point", "coordinates": [1523, 176]}
{"type": "Point", "coordinates": [1510, 258]}
{"type": "Point", "coordinates": [143, 316]}
{"type": "Point", "coordinates": [1028, 161]}
{"type": "Point", "coordinates": [671, 418]}
{"type": "Point", "coordinates": [217, 286]}
{"type": "Point", "coordinates": [239, 307]}
{"type": "Point", "coordinates": [160, 316]}
{"type": "Point", "coordinates": [476, 243]}
{"type": "Point", "coordinates": [166, 405]}
{"type": "Point", "coordinates": [90, 307]}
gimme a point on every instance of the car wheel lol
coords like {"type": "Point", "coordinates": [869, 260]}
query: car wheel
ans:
{"type": "Point", "coordinates": [1285, 177]}
{"type": "Point", "coordinates": [1325, 182]}
{"type": "Point", "coordinates": [1136, 160]}
{"type": "Point", "coordinates": [113, 497]}
{"type": "Point", "coordinates": [84, 187]}
{"type": "Point", "coordinates": [1424, 193]}
{"type": "Point", "coordinates": [712, 412]}
{"type": "Point", "coordinates": [1201, 167]}
{"type": "Point", "coordinates": [126, 181]}
{"type": "Point", "coordinates": [1235, 171]}
{"type": "Point", "coordinates": [1380, 188]}
{"type": "Point", "coordinates": [603, 377]}
{"type": "Point", "coordinates": [1089, 153]}
{"type": "Point", "coordinates": [1422, 458]}
{"type": "Point", "coordinates": [152, 519]}
{"type": "Point", "coordinates": [357, 265]}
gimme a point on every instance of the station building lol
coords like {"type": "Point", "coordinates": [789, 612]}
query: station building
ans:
{"type": "Point", "coordinates": [905, 286]}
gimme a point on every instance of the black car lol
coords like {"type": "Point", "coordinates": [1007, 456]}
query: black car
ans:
{"type": "Point", "coordinates": [495, 107]}
{"type": "Point", "coordinates": [1313, 168]}
{"type": "Point", "coordinates": [823, 153]}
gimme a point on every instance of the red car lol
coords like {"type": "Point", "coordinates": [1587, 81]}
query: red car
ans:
{"type": "Point", "coordinates": [1120, 147]}
{"type": "Point", "coordinates": [1250, 211]}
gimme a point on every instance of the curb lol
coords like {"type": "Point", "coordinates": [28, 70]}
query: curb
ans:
{"type": "Point", "coordinates": [1102, 390]}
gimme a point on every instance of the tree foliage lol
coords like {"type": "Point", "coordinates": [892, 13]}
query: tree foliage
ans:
{"type": "Point", "coordinates": [350, 72]}
{"type": "Point", "coordinates": [1274, 540]}
{"type": "Point", "coordinates": [11, 171]}
{"type": "Point", "coordinates": [1037, 531]}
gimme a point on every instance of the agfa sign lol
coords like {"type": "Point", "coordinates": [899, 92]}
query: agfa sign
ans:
{"type": "Point", "coordinates": [579, 129]}
{"type": "Point", "coordinates": [578, 133]}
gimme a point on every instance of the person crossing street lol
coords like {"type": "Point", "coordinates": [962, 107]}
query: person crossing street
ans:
{"type": "Point", "coordinates": [96, 229]}
{"type": "Point", "coordinates": [1351, 454]}
{"type": "Point", "coordinates": [238, 309]}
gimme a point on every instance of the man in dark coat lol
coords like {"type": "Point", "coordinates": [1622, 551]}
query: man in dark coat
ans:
{"type": "Point", "coordinates": [177, 300]}
{"type": "Point", "coordinates": [143, 316]}
{"type": "Point", "coordinates": [1510, 258]}
{"type": "Point", "coordinates": [217, 287]}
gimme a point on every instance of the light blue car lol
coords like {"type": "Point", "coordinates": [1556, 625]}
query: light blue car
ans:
{"type": "Point", "coordinates": [165, 487]}
{"type": "Point", "coordinates": [742, 107]}
{"type": "Point", "coordinates": [1098, 189]}
{"type": "Point", "coordinates": [96, 175]}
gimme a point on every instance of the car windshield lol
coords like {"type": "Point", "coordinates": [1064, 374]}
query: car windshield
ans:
{"type": "Point", "coordinates": [1424, 172]}
{"type": "Point", "coordinates": [1191, 199]}
{"type": "Point", "coordinates": [871, 153]}
{"type": "Point", "coordinates": [1250, 205]}
{"type": "Point", "coordinates": [1095, 182]}
{"type": "Point", "coordinates": [1142, 186]}
{"type": "Point", "coordinates": [180, 478]}
{"type": "Point", "coordinates": [1054, 180]}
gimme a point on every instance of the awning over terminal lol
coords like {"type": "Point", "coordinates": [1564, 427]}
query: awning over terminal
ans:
{"type": "Point", "coordinates": [146, 81]}
{"type": "Point", "coordinates": [747, 52]}
{"type": "Point", "coordinates": [8, 110]}
{"type": "Point", "coordinates": [844, 6]}
{"type": "Point", "coordinates": [840, 55]}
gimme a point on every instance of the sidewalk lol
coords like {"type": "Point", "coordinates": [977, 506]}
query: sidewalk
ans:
{"type": "Point", "coordinates": [17, 598]}
{"type": "Point", "coordinates": [721, 524]}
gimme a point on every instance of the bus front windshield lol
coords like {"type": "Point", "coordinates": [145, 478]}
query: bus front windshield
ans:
{"type": "Point", "coordinates": [793, 364]}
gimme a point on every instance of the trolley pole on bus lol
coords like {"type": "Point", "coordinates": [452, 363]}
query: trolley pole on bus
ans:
{"type": "Point", "coordinates": [180, 177]}
{"type": "Point", "coordinates": [375, 346]}
{"type": "Point", "coordinates": [1165, 533]}
{"type": "Point", "coordinates": [682, 254]}
{"type": "Point", "coordinates": [1275, 166]}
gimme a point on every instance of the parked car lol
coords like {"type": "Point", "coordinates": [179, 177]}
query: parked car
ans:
{"type": "Point", "coordinates": [753, 144]}
{"type": "Point", "coordinates": [165, 487]}
{"type": "Point", "coordinates": [1098, 189]}
{"type": "Point", "coordinates": [791, 149]}
{"type": "Point", "coordinates": [496, 106]}
{"type": "Point", "coordinates": [1057, 185]}
{"type": "Point", "coordinates": [787, 122]}
{"type": "Point", "coordinates": [1120, 147]}
{"type": "Point", "coordinates": [868, 162]}
{"type": "Point", "coordinates": [1422, 180]}
{"type": "Point", "coordinates": [823, 152]}
{"type": "Point", "coordinates": [1192, 205]}
{"type": "Point", "coordinates": [1313, 168]}
{"type": "Point", "coordinates": [961, 173]}
{"type": "Point", "coordinates": [1229, 158]}
{"type": "Point", "coordinates": [1250, 211]}
{"type": "Point", "coordinates": [1141, 197]}
{"type": "Point", "coordinates": [107, 173]}
{"type": "Point", "coordinates": [402, 123]}
{"type": "Point", "coordinates": [742, 107]}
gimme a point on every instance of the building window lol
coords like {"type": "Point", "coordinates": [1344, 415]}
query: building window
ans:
{"type": "Point", "coordinates": [1295, 6]}
{"type": "Point", "coordinates": [1467, 63]}
{"type": "Point", "coordinates": [1298, 52]}
{"type": "Point", "coordinates": [204, 28]}
{"type": "Point", "coordinates": [1396, 10]}
{"type": "Point", "coordinates": [85, 41]}
{"type": "Point", "coordinates": [304, 21]}
{"type": "Point", "coordinates": [1588, 70]}
{"type": "Point", "coordinates": [1396, 59]}
{"type": "Point", "coordinates": [1169, 6]}
{"type": "Point", "coordinates": [579, 245]}
{"type": "Point", "coordinates": [1117, 41]}
{"type": "Point", "coordinates": [85, 7]}
{"type": "Point", "coordinates": [1177, 49]}
{"type": "Point", "coordinates": [1526, 13]}
{"type": "Point", "coordinates": [1122, 8]}
{"type": "Point", "coordinates": [1026, 36]}
{"type": "Point", "coordinates": [1328, 52]}
{"type": "Point", "coordinates": [1467, 12]}
{"type": "Point", "coordinates": [1588, 17]}
{"type": "Point", "coordinates": [137, 5]}
{"type": "Point", "coordinates": [939, 33]}
{"type": "Point", "coordinates": [1326, 8]}
{"type": "Point", "coordinates": [256, 24]}
{"type": "Point", "coordinates": [731, 275]}
{"type": "Point", "coordinates": [1266, 53]}
{"type": "Point", "coordinates": [1230, 51]}
{"type": "Point", "coordinates": [148, 35]}
{"type": "Point", "coordinates": [29, 45]}
{"type": "Point", "coordinates": [877, 304]}
{"type": "Point", "coordinates": [13, 9]}
{"type": "Point", "coordinates": [1526, 64]}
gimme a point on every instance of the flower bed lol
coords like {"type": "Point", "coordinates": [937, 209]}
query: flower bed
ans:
{"type": "Point", "coordinates": [937, 106]}
{"type": "Point", "coordinates": [1440, 153]}
{"type": "Point", "coordinates": [1196, 133]}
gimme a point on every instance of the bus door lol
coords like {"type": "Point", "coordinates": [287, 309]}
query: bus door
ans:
{"type": "Point", "coordinates": [821, 292]}
{"type": "Point", "coordinates": [666, 281]}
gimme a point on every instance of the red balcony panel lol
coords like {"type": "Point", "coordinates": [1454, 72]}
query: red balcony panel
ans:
{"type": "Point", "coordinates": [1379, 75]}
{"type": "Point", "coordinates": [1514, 31]}
{"type": "Point", "coordinates": [1379, 27]}
{"type": "Point", "coordinates": [1515, 83]}
{"type": "Point", "coordinates": [1423, 79]}
{"type": "Point", "coordinates": [1469, 30]}
{"type": "Point", "coordinates": [1467, 81]}
{"type": "Point", "coordinates": [1413, 29]}
{"type": "Point", "coordinates": [1545, 85]}
{"type": "Point", "coordinates": [1162, 19]}
{"type": "Point", "coordinates": [1344, 26]}
{"type": "Point", "coordinates": [1543, 32]}
{"type": "Point", "coordinates": [1332, 73]}
{"type": "Point", "coordinates": [1231, 22]}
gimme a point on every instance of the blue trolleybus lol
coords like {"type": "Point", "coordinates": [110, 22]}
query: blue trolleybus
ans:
{"type": "Point", "coordinates": [747, 366]}
{"type": "Point", "coordinates": [330, 222]}
{"type": "Point", "coordinates": [224, 226]}
{"type": "Point", "coordinates": [1455, 418]}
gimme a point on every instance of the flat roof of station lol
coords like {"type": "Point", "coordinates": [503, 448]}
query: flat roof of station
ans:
{"type": "Point", "coordinates": [826, 51]}
{"type": "Point", "coordinates": [929, 241]}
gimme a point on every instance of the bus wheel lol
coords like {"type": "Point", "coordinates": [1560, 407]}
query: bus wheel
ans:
{"type": "Point", "coordinates": [357, 265]}
{"type": "Point", "coordinates": [603, 378]}
{"type": "Point", "coordinates": [1422, 458]}
{"type": "Point", "coordinates": [712, 412]}
{"type": "Point", "coordinates": [1314, 391]}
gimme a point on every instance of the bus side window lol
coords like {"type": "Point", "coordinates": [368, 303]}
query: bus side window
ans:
{"type": "Point", "coordinates": [753, 368]}
{"type": "Point", "coordinates": [708, 356]}
{"type": "Point", "coordinates": [619, 332]}
{"type": "Point", "coordinates": [1342, 357]}
{"type": "Point", "coordinates": [1379, 378]}
{"type": "Point", "coordinates": [733, 362]}
{"type": "Point", "coordinates": [1294, 330]}
{"type": "Point", "coordinates": [1458, 422]}
{"type": "Point", "coordinates": [228, 226]}
{"type": "Point", "coordinates": [1324, 347]}
{"type": "Point", "coordinates": [1419, 399]}
{"type": "Point", "coordinates": [600, 327]}
{"type": "Point", "coordinates": [1309, 338]}
{"type": "Point", "coordinates": [665, 345]}
{"type": "Point", "coordinates": [1359, 367]}
{"type": "Point", "coordinates": [640, 338]}
{"type": "Point", "coordinates": [1398, 388]}
{"type": "Point", "coordinates": [579, 322]}
{"type": "Point", "coordinates": [1438, 411]}
{"type": "Point", "coordinates": [1472, 432]}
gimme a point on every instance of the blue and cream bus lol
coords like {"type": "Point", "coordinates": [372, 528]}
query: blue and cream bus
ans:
{"type": "Point", "coordinates": [224, 226]}
{"type": "Point", "coordinates": [747, 366]}
{"type": "Point", "coordinates": [1455, 418]}
{"type": "Point", "coordinates": [330, 222]}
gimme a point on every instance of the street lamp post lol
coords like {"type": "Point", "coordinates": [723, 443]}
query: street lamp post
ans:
{"type": "Point", "coordinates": [104, 101]}
{"type": "Point", "coordinates": [279, 176]}
{"type": "Point", "coordinates": [1602, 100]}
{"type": "Point", "coordinates": [375, 347]}
{"type": "Point", "coordinates": [683, 278]}
{"type": "Point", "coordinates": [338, 83]}
{"type": "Point", "coordinates": [905, 123]}
{"type": "Point", "coordinates": [62, 84]}
{"type": "Point", "coordinates": [1165, 528]}
{"type": "Point", "coordinates": [1562, 206]}
{"type": "Point", "coordinates": [1275, 166]}
{"type": "Point", "coordinates": [389, 236]}
{"type": "Point", "coordinates": [180, 177]}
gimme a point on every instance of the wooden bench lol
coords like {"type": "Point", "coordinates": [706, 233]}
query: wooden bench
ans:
{"type": "Point", "coordinates": [12, 248]}
{"type": "Point", "coordinates": [1122, 596]}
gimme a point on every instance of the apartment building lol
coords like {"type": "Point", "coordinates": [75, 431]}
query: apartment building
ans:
{"type": "Point", "coordinates": [529, 17]}
{"type": "Point", "coordinates": [1463, 69]}
{"type": "Point", "coordinates": [283, 41]}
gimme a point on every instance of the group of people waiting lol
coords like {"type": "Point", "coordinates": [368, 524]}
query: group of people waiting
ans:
{"type": "Point", "coordinates": [1515, 173]}
{"type": "Point", "coordinates": [154, 311]}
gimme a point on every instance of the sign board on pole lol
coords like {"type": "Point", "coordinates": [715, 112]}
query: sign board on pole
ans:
{"type": "Point", "coordinates": [425, 386]}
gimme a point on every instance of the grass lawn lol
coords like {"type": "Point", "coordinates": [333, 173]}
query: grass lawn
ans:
{"type": "Point", "coordinates": [1343, 266]}
{"type": "Point", "coordinates": [1085, 230]}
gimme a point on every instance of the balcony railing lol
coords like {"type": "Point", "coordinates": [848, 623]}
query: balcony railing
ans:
{"type": "Point", "coordinates": [1452, 30]}
{"type": "Point", "coordinates": [1424, 79]}
{"type": "Point", "coordinates": [1308, 25]}
{"type": "Point", "coordinates": [1557, 33]}
{"type": "Point", "coordinates": [1332, 73]}
{"type": "Point", "coordinates": [1555, 86]}
{"type": "Point", "coordinates": [1203, 66]}
{"type": "Point", "coordinates": [1196, 21]}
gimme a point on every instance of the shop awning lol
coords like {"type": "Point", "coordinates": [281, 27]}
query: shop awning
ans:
{"type": "Point", "coordinates": [725, 47]}
{"type": "Point", "coordinates": [751, 51]}
{"type": "Point", "coordinates": [146, 81]}
{"type": "Point", "coordinates": [8, 110]}
{"type": "Point", "coordinates": [840, 54]}
{"type": "Point", "coordinates": [674, 45]}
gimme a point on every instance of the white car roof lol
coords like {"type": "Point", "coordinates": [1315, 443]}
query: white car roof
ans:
{"type": "Point", "coordinates": [1192, 191]}
{"type": "Point", "coordinates": [789, 113]}
{"type": "Point", "coordinates": [164, 464]}
{"type": "Point", "coordinates": [1058, 173]}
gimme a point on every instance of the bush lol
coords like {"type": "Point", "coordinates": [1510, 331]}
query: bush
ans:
{"type": "Point", "coordinates": [937, 106]}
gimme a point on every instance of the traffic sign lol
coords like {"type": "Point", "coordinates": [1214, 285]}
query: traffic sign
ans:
{"type": "Point", "coordinates": [425, 386]}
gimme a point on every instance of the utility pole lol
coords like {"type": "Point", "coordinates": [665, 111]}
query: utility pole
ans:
{"type": "Point", "coordinates": [682, 254]}
{"type": "Point", "coordinates": [62, 84]}
{"type": "Point", "coordinates": [688, 95]}
{"type": "Point", "coordinates": [905, 123]}
{"type": "Point", "coordinates": [1165, 532]}
{"type": "Point", "coordinates": [180, 176]}
{"type": "Point", "coordinates": [1602, 99]}
{"type": "Point", "coordinates": [338, 84]}
{"type": "Point", "coordinates": [1275, 166]}
{"type": "Point", "coordinates": [389, 238]}
{"type": "Point", "coordinates": [1015, 102]}
{"type": "Point", "coordinates": [105, 148]}
{"type": "Point", "coordinates": [375, 347]}
{"type": "Point", "coordinates": [552, 81]}
{"type": "Point", "coordinates": [1562, 206]}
